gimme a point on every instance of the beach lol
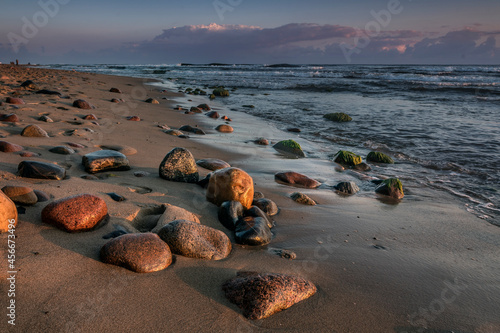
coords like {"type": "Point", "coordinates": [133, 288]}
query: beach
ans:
{"type": "Point", "coordinates": [423, 264]}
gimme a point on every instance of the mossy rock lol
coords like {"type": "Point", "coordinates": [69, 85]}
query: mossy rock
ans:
{"type": "Point", "coordinates": [378, 157]}
{"type": "Point", "coordinates": [391, 187]}
{"type": "Point", "coordinates": [212, 96]}
{"type": "Point", "coordinates": [348, 158]}
{"type": "Point", "coordinates": [289, 147]}
{"type": "Point", "coordinates": [220, 91]}
{"type": "Point", "coordinates": [249, 106]}
{"type": "Point", "coordinates": [339, 117]}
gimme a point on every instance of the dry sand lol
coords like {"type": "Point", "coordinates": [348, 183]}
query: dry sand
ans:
{"type": "Point", "coordinates": [423, 263]}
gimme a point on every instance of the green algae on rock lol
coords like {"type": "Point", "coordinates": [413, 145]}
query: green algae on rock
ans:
{"type": "Point", "coordinates": [378, 157]}
{"type": "Point", "coordinates": [289, 147]}
{"type": "Point", "coordinates": [391, 187]}
{"type": "Point", "coordinates": [338, 117]}
{"type": "Point", "coordinates": [220, 91]}
{"type": "Point", "coordinates": [348, 158]}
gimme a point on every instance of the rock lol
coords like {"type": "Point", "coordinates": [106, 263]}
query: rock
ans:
{"type": "Point", "coordinates": [302, 199]}
{"type": "Point", "coordinates": [346, 158]}
{"type": "Point", "coordinates": [225, 118]}
{"type": "Point", "coordinates": [90, 117]}
{"type": "Point", "coordinates": [172, 213]}
{"type": "Point", "coordinates": [213, 164]}
{"type": "Point", "coordinates": [194, 109]}
{"type": "Point", "coordinates": [9, 118]}
{"type": "Point", "coordinates": [8, 147]}
{"type": "Point", "coordinates": [194, 240]}
{"type": "Point", "coordinates": [212, 114]}
{"type": "Point", "coordinates": [141, 173]}
{"type": "Point", "coordinates": [82, 212]}
{"type": "Point", "coordinates": [82, 104]}
{"type": "Point", "coordinates": [173, 132]}
{"type": "Point", "coordinates": [255, 211]}
{"type": "Point", "coordinates": [267, 206]}
{"type": "Point", "coordinates": [28, 154]}
{"type": "Point", "coordinates": [204, 182]}
{"type": "Point", "coordinates": [28, 84]}
{"type": "Point", "coordinates": [46, 119]}
{"type": "Point", "coordinates": [141, 253]}
{"type": "Point", "coordinates": [115, 90]}
{"type": "Point", "coordinates": [152, 101]}
{"type": "Point", "coordinates": [261, 295]}
{"type": "Point", "coordinates": [230, 184]}
{"type": "Point", "coordinates": [41, 196]}
{"type": "Point", "coordinates": [262, 141]}
{"type": "Point", "coordinates": [75, 145]}
{"type": "Point", "coordinates": [21, 195]}
{"type": "Point", "coordinates": [252, 231]}
{"type": "Point", "coordinates": [212, 96]}
{"type": "Point", "coordinates": [294, 130]}
{"type": "Point", "coordinates": [133, 118]}
{"type": "Point", "coordinates": [204, 107]}
{"type": "Point", "coordinates": [188, 128]}
{"type": "Point", "coordinates": [347, 187]}
{"type": "Point", "coordinates": [34, 131]}
{"type": "Point", "coordinates": [220, 91]}
{"type": "Point", "coordinates": [295, 178]}
{"type": "Point", "coordinates": [362, 167]}
{"type": "Point", "coordinates": [285, 254]}
{"type": "Point", "coordinates": [289, 147]}
{"type": "Point", "coordinates": [125, 150]}
{"type": "Point", "coordinates": [339, 117]}
{"type": "Point", "coordinates": [14, 100]}
{"type": "Point", "coordinates": [8, 213]}
{"type": "Point", "coordinates": [249, 106]}
{"type": "Point", "coordinates": [257, 195]}
{"type": "Point", "coordinates": [40, 170]}
{"type": "Point", "coordinates": [63, 150]}
{"type": "Point", "coordinates": [105, 160]}
{"type": "Point", "coordinates": [391, 187]}
{"type": "Point", "coordinates": [49, 92]}
{"type": "Point", "coordinates": [229, 213]}
{"type": "Point", "coordinates": [179, 165]}
{"type": "Point", "coordinates": [224, 128]}
{"type": "Point", "coordinates": [116, 197]}
{"type": "Point", "coordinates": [379, 157]}
{"type": "Point", "coordinates": [115, 100]}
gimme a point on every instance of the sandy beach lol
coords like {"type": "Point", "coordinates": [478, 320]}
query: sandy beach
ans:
{"type": "Point", "coordinates": [421, 265]}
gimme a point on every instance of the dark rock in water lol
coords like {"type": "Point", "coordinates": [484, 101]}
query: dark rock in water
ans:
{"type": "Point", "coordinates": [63, 150]}
{"type": "Point", "coordinates": [28, 84]}
{"type": "Point", "coordinates": [34, 131]}
{"type": "Point", "coordinates": [362, 167]}
{"type": "Point", "coordinates": [204, 107]}
{"type": "Point", "coordinates": [212, 114]}
{"type": "Point", "coordinates": [289, 147]}
{"type": "Point", "coordinates": [252, 231]}
{"type": "Point", "coordinates": [179, 165]}
{"type": "Point", "coordinates": [302, 199]}
{"type": "Point", "coordinates": [339, 117]}
{"type": "Point", "coordinates": [229, 213]}
{"type": "Point", "coordinates": [40, 170]}
{"type": "Point", "coordinates": [194, 109]}
{"type": "Point", "coordinates": [152, 101]}
{"type": "Point", "coordinates": [223, 128]}
{"type": "Point", "coordinates": [220, 91]}
{"type": "Point", "coordinates": [294, 130]}
{"type": "Point", "coordinates": [255, 211]}
{"type": "Point", "coordinates": [82, 104]}
{"type": "Point", "coordinates": [49, 92]}
{"type": "Point", "coordinates": [21, 195]}
{"type": "Point", "coordinates": [82, 212]}
{"type": "Point", "coordinates": [46, 119]}
{"type": "Point", "coordinates": [14, 100]}
{"type": "Point", "coordinates": [379, 157]}
{"type": "Point", "coordinates": [105, 160]}
{"type": "Point", "coordinates": [115, 90]}
{"type": "Point", "coordinates": [391, 187]}
{"type": "Point", "coordinates": [347, 187]}
{"type": "Point", "coordinates": [7, 147]}
{"type": "Point", "coordinates": [249, 106]}
{"type": "Point", "coordinates": [262, 141]}
{"type": "Point", "coordinates": [188, 128]}
{"type": "Point", "coordinates": [9, 118]}
{"type": "Point", "coordinates": [141, 253]}
{"type": "Point", "coordinates": [194, 240]}
{"type": "Point", "coordinates": [205, 181]}
{"type": "Point", "coordinates": [41, 196]}
{"type": "Point", "coordinates": [347, 158]}
{"type": "Point", "coordinates": [213, 164]}
{"type": "Point", "coordinates": [267, 206]}
{"type": "Point", "coordinates": [116, 197]}
{"type": "Point", "coordinates": [261, 295]}
{"type": "Point", "coordinates": [295, 178]}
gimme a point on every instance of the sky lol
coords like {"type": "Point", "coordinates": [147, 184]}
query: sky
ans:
{"type": "Point", "coordinates": [251, 31]}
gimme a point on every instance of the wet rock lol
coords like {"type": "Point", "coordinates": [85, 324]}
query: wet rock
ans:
{"type": "Point", "coordinates": [261, 295]}
{"type": "Point", "coordinates": [362, 167]}
{"type": "Point", "coordinates": [378, 157]}
{"type": "Point", "coordinates": [213, 164]}
{"type": "Point", "coordinates": [289, 147]}
{"type": "Point", "coordinates": [230, 184]}
{"type": "Point", "coordinates": [347, 187]}
{"type": "Point", "coordinates": [141, 253]}
{"type": "Point", "coordinates": [295, 178]}
{"type": "Point", "coordinates": [40, 170]}
{"type": "Point", "coordinates": [82, 212]}
{"type": "Point", "coordinates": [172, 213]}
{"type": "Point", "coordinates": [204, 107]}
{"type": "Point", "coordinates": [195, 130]}
{"type": "Point", "coordinates": [8, 212]}
{"type": "Point", "coordinates": [302, 199]}
{"type": "Point", "coordinates": [194, 109]}
{"type": "Point", "coordinates": [134, 118]}
{"type": "Point", "coordinates": [115, 90]}
{"type": "Point", "coordinates": [226, 118]}
{"type": "Point", "coordinates": [46, 119]}
{"type": "Point", "coordinates": [391, 187]}
{"type": "Point", "coordinates": [15, 101]}
{"type": "Point", "coordinates": [347, 158]}
{"type": "Point", "coordinates": [229, 213]}
{"type": "Point", "coordinates": [294, 130]}
{"type": "Point", "coordinates": [223, 128]}
{"type": "Point", "coordinates": [49, 92]}
{"type": "Point", "coordinates": [105, 160]}
{"type": "Point", "coordinates": [253, 231]}
{"type": "Point", "coordinates": [8, 147]}
{"type": "Point", "coordinates": [262, 141]}
{"type": "Point", "coordinates": [20, 194]}
{"type": "Point", "coordinates": [28, 84]}
{"type": "Point", "coordinates": [34, 131]}
{"type": "Point", "coordinates": [83, 104]}
{"type": "Point", "coordinates": [9, 118]}
{"type": "Point", "coordinates": [179, 165]}
{"type": "Point", "coordinates": [63, 150]}
{"type": "Point", "coordinates": [339, 117]}
{"type": "Point", "coordinates": [173, 132]}
{"type": "Point", "coordinates": [255, 211]}
{"type": "Point", "coordinates": [125, 150]}
{"type": "Point", "coordinates": [152, 101]}
{"type": "Point", "coordinates": [212, 114]}
{"type": "Point", "coordinates": [116, 197]}
{"type": "Point", "coordinates": [267, 206]}
{"type": "Point", "coordinates": [220, 91]}
{"type": "Point", "coordinates": [194, 240]}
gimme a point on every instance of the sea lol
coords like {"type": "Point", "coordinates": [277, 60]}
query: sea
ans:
{"type": "Point", "coordinates": [441, 124]}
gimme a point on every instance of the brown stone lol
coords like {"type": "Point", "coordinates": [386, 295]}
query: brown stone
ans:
{"type": "Point", "coordinates": [20, 194]}
{"type": "Point", "coordinates": [9, 118]}
{"type": "Point", "coordinates": [295, 178]}
{"type": "Point", "coordinates": [8, 213]}
{"type": "Point", "coordinates": [90, 117]}
{"type": "Point", "coordinates": [141, 253]}
{"type": "Point", "coordinates": [76, 213]}
{"type": "Point", "coordinates": [213, 114]}
{"type": "Point", "coordinates": [133, 118]}
{"type": "Point", "coordinates": [15, 100]}
{"type": "Point", "coordinates": [173, 213]}
{"type": "Point", "coordinates": [152, 101]}
{"type": "Point", "coordinates": [230, 184]}
{"type": "Point", "coordinates": [262, 295]}
{"type": "Point", "coordinates": [302, 199]}
{"type": "Point", "coordinates": [8, 147]}
{"type": "Point", "coordinates": [213, 164]}
{"type": "Point", "coordinates": [115, 90]}
{"type": "Point", "coordinates": [34, 131]}
{"type": "Point", "coordinates": [224, 128]}
{"type": "Point", "coordinates": [83, 104]}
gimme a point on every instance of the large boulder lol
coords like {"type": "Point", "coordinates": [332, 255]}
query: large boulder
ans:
{"type": "Point", "coordinates": [347, 158]}
{"type": "Point", "coordinates": [105, 160]}
{"type": "Point", "coordinates": [40, 170]}
{"type": "Point", "coordinates": [391, 187]}
{"type": "Point", "coordinates": [261, 295]}
{"type": "Point", "coordinates": [378, 157]}
{"type": "Point", "coordinates": [20, 194]}
{"type": "Point", "coordinates": [252, 231]}
{"type": "Point", "coordinates": [141, 253]}
{"type": "Point", "coordinates": [295, 178]}
{"type": "Point", "coordinates": [230, 184]}
{"type": "Point", "coordinates": [194, 240]}
{"type": "Point", "coordinates": [34, 131]}
{"type": "Point", "coordinates": [289, 147]}
{"type": "Point", "coordinates": [8, 213]}
{"type": "Point", "coordinates": [82, 212]}
{"type": "Point", "coordinates": [179, 165]}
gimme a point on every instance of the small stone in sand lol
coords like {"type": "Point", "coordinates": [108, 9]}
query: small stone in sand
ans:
{"type": "Point", "coordinates": [285, 254]}
{"type": "Point", "coordinates": [133, 118]}
{"type": "Point", "coordinates": [226, 118]}
{"type": "Point", "coordinates": [34, 131]}
{"type": "Point", "coordinates": [289, 147]}
{"type": "Point", "coordinates": [82, 104]}
{"type": "Point", "coordinates": [115, 90]}
{"type": "Point", "coordinates": [28, 84]}
{"type": "Point", "coordinates": [63, 150]}
{"type": "Point", "coordinates": [40, 170]}
{"type": "Point", "coordinates": [213, 164]}
{"type": "Point", "coordinates": [179, 165]}
{"type": "Point", "coordinates": [189, 128]}
{"type": "Point", "coordinates": [230, 184]}
{"type": "Point", "coordinates": [49, 92]}
{"type": "Point", "coordinates": [90, 117]}
{"type": "Point", "coordinates": [391, 187]}
{"type": "Point", "coordinates": [15, 101]}
{"type": "Point", "coordinates": [204, 107]}
{"type": "Point", "coordinates": [20, 194]}
{"type": "Point", "coordinates": [173, 132]}
{"type": "Point", "coordinates": [302, 199]}
{"type": "Point", "coordinates": [295, 178]}
{"type": "Point", "coordinates": [347, 187]}
{"type": "Point", "coordinates": [7, 147]}
{"type": "Point", "coordinates": [29, 154]}
{"type": "Point", "coordinates": [257, 195]}
{"type": "Point", "coordinates": [253, 231]}
{"type": "Point", "coordinates": [212, 114]}
{"type": "Point", "coordinates": [262, 141]}
{"type": "Point", "coordinates": [9, 118]}
{"type": "Point", "coordinates": [152, 101]}
{"type": "Point", "coordinates": [8, 213]}
{"type": "Point", "coordinates": [105, 160]}
{"type": "Point", "coordinates": [46, 119]}
{"type": "Point", "coordinates": [41, 196]}
{"type": "Point", "coordinates": [116, 197]}
{"type": "Point", "coordinates": [224, 128]}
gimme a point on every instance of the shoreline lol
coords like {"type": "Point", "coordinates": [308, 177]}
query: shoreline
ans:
{"type": "Point", "coordinates": [375, 265]}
